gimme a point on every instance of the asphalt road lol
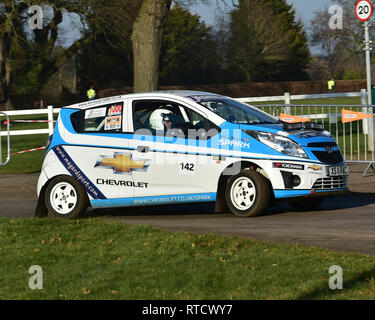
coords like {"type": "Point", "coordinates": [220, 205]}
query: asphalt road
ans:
{"type": "Point", "coordinates": [343, 223]}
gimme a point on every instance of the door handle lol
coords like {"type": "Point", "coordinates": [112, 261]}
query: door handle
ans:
{"type": "Point", "coordinates": [143, 149]}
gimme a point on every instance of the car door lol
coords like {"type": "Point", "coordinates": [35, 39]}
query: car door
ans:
{"type": "Point", "coordinates": [103, 152]}
{"type": "Point", "coordinates": [173, 164]}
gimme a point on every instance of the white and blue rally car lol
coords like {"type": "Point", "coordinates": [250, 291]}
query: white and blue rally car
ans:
{"type": "Point", "coordinates": [173, 147]}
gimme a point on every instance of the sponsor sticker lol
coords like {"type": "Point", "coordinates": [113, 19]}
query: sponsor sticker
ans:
{"type": "Point", "coordinates": [115, 110]}
{"type": "Point", "coordinates": [113, 123]}
{"type": "Point", "coordinates": [281, 165]}
{"type": "Point", "coordinates": [77, 173]}
{"type": "Point", "coordinates": [95, 113]}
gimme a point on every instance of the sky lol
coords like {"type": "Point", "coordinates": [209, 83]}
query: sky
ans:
{"type": "Point", "coordinates": [304, 9]}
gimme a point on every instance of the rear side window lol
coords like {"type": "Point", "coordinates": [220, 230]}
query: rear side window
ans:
{"type": "Point", "coordinates": [103, 119]}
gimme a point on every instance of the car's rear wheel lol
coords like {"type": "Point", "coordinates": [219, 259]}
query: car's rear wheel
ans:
{"type": "Point", "coordinates": [247, 193]}
{"type": "Point", "coordinates": [66, 198]}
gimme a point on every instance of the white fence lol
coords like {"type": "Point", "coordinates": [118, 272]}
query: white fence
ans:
{"type": "Point", "coordinates": [367, 127]}
{"type": "Point", "coordinates": [287, 98]}
{"type": "Point", "coordinates": [50, 111]}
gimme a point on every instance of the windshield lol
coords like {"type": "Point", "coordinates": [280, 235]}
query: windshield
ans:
{"type": "Point", "coordinates": [234, 111]}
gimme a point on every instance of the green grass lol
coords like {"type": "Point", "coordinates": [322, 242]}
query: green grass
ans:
{"type": "Point", "coordinates": [28, 162]}
{"type": "Point", "coordinates": [91, 259]}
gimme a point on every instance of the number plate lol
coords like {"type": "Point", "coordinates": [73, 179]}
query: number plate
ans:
{"type": "Point", "coordinates": [338, 171]}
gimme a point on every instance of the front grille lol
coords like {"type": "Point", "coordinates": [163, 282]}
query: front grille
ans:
{"type": "Point", "coordinates": [331, 183]}
{"type": "Point", "coordinates": [322, 144]}
{"type": "Point", "coordinates": [334, 157]}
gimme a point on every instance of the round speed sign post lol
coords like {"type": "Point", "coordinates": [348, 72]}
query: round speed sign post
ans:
{"type": "Point", "coordinates": [364, 11]}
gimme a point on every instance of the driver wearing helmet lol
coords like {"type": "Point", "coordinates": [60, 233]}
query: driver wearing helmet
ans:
{"type": "Point", "coordinates": [161, 120]}
{"type": "Point", "coordinates": [167, 121]}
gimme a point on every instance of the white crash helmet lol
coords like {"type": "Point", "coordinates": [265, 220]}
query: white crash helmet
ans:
{"type": "Point", "coordinates": [156, 119]}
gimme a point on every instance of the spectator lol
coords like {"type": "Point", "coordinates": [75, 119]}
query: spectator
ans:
{"type": "Point", "coordinates": [331, 85]}
{"type": "Point", "coordinates": [91, 94]}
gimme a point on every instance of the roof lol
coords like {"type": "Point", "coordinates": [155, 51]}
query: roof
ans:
{"type": "Point", "coordinates": [157, 94]}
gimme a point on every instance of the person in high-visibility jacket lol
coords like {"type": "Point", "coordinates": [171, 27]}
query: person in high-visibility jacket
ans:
{"type": "Point", "coordinates": [331, 86]}
{"type": "Point", "coordinates": [91, 94]}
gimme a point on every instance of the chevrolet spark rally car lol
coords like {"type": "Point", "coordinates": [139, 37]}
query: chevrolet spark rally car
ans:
{"type": "Point", "coordinates": [184, 147]}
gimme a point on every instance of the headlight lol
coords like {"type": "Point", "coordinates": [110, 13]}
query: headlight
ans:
{"type": "Point", "coordinates": [279, 143]}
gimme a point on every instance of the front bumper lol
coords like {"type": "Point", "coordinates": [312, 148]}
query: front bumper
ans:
{"type": "Point", "coordinates": [298, 179]}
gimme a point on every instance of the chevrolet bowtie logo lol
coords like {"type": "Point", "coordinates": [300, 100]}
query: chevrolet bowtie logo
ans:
{"type": "Point", "coordinates": [122, 163]}
{"type": "Point", "coordinates": [315, 167]}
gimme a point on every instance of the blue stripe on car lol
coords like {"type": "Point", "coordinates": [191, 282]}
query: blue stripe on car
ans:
{"type": "Point", "coordinates": [77, 173]}
{"type": "Point", "coordinates": [154, 200]}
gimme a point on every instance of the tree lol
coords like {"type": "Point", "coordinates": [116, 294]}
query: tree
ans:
{"type": "Point", "coordinates": [340, 49]}
{"type": "Point", "coordinates": [189, 50]}
{"type": "Point", "coordinates": [254, 43]}
{"type": "Point", "coordinates": [266, 43]}
{"type": "Point", "coordinates": [297, 42]}
{"type": "Point", "coordinates": [10, 25]}
{"type": "Point", "coordinates": [146, 38]}
{"type": "Point", "coordinates": [32, 52]}
{"type": "Point", "coordinates": [111, 48]}
{"type": "Point", "coordinates": [325, 39]}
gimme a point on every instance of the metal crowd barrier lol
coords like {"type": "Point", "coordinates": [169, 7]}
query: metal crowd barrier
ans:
{"type": "Point", "coordinates": [356, 139]}
{"type": "Point", "coordinates": [6, 138]}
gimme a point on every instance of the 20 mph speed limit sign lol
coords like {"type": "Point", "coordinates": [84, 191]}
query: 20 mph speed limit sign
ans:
{"type": "Point", "coordinates": [363, 10]}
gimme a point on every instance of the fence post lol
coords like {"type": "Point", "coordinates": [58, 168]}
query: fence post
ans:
{"type": "Point", "coordinates": [1, 142]}
{"type": "Point", "coordinates": [287, 102]}
{"type": "Point", "coordinates": [50, 119]}
{"type": "Point", "coordinates": [364, 110]}
{"type": "Point", "coordinates": [371, 128]}
{"type": "Point", "coordinates": [7, 139]}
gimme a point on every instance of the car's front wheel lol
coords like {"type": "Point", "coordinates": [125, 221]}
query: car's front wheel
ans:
{"type": "Point", "coordinates": [247, 193]}
{"type": "Point", "coordinates": [66, 198]}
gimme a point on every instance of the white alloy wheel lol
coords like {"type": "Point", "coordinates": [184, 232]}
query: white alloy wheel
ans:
{"type": "Point", "coordinates": [243, 193]}
{"type": "Point", "coordinates": [247, 194]}
{"type": "Point", "coordinates": [63, 198]}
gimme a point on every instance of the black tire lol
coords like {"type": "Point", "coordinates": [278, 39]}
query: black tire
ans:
{"type": "Point", "coordinates": [307, 204]}
{"type": "Point", "coordinates": [247, 180]}
{"type": "Point", "coordinates": [72, 201]}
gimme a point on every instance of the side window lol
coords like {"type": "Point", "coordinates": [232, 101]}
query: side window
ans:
{"type": "Point", "coordinates": [170, 118]}
{"type": "Point", "coordinates": [202, 127]}
{"type": "Point", "coordinates": [151, 114]}
{"type": "Point", "coordinates": [103, 119]}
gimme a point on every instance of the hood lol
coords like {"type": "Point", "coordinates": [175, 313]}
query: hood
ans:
{"type": "Point", "coordinates": [302, 136]}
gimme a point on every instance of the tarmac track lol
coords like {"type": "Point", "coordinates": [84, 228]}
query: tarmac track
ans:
{"type": "Point", "coordinates": [343, 223]}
